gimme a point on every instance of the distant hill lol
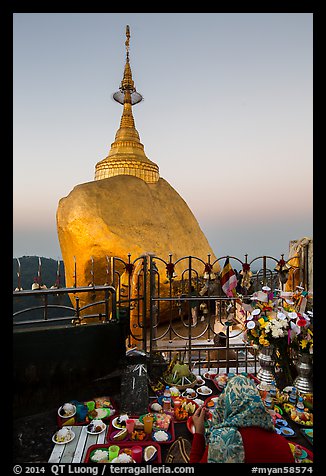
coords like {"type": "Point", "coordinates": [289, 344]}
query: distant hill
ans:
{"type": "Point", "coordinates": [29, 268]}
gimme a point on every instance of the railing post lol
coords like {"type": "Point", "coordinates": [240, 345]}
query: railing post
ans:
{"type": "Point", "coordinates": [145, 269]}
{"type": "Point", "coordinates": [45, 311]}
{"type": "Point", "coordinates": [189, 314]}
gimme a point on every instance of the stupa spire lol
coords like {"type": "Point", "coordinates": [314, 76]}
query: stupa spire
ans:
{"type": "Point", "coordinates": [127, 156]}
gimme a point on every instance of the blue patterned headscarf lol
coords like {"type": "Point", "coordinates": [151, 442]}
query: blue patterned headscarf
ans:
{"type": "Point", "coordinates": [238, 406]}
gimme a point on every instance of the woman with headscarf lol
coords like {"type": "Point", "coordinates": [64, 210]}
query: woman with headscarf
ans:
{"type": "Point", "coordinates": [241, 429]}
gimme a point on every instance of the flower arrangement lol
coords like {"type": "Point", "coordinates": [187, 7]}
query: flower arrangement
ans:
{"type": "Point", "coordinates": [301, 334]}
{"type": "Point", "coordinates": [276, 321]}
{"type": "Point", "coordinates": [267, 323]}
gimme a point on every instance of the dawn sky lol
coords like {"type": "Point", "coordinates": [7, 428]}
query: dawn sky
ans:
{"type": "Point", "coordinates": [227, 116]}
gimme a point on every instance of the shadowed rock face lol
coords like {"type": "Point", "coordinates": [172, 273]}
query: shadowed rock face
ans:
{"type": "Point", "coordinates": [121, 215]}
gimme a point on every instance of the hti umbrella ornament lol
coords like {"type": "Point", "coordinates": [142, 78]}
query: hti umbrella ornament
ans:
{"type": "Point", "coordinates": [208, 271]}
{"type": "Point", "coordinates": [283, 269]}
{"type": "Point", "coordinates": [246, 275]}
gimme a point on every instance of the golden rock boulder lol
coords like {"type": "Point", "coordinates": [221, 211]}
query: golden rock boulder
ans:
{"type": "Point", "coordinates": [121, 215]}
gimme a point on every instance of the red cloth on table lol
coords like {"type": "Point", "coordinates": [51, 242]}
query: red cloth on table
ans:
{"type": "Point", "coordinates": [260, 446]}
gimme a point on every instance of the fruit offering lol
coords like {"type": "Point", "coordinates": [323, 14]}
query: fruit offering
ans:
{"type": "Point", "coordinates": [302, 418]}
{"type": "Point", "coordinates": [189, 407]}
{"type": "Point", "coordinates": [149, 453]}
{"type": "Point", "coordinates": [180, 414]}
{"type": "Point", "coordinates": [186, 409]}
{"type": "Point", "coordinates": [179, 374]}
{"type": "Point", "coordinates": [120, 435]}
{"type": "Point", "coordinates": [162, 421]}
{"type": "Point", "coordinates": [138, 435]}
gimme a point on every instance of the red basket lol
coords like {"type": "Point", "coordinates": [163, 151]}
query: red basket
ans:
{"type": "Point", "coordinates": [148, 439]}
{"type": "Point", "coordinates": [172, 412]}
{"type": "Point", "coordinates": [61, 421]}
{"type": "Point", "coordinates": [127, 444]}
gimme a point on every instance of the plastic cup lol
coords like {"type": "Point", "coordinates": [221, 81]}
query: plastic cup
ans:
{"type": "Point", "coordinates": [130, 425]}
{"type": "Point", "coordinates": [113, 452]}
{"type": "Point", "coordinates": [177, 403]}
{"type": "Point", "coordinates": [90, 405]}
{"type": "Point", "coordinates": [137, 453]}
{"type": "Point", "coordinates": [148, 424]}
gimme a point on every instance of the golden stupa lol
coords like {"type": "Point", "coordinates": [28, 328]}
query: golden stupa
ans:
{"type": "Point", "coordinates": [127, 209]}
{"type": "Point", "coordinates": [127, 156]}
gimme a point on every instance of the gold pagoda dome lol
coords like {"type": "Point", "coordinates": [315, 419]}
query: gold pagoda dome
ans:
{"type": "Point", "coordinates": [127, 156]}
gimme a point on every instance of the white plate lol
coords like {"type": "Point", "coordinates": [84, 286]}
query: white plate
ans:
{"type": "Point", "coordinates": [96, 432]}
{"type": "Point", "coordinates": [68, 416]}
{"type": "Point", "coordinates": [63, 442]}
{"type": "Point", "coordinates": [200, 381]}
{"type": "Point", "coordinates": [115, 424]}
{"type": "Point", "coordinates": [203, 393]}
{"type": "Point", "coordinates": [199, 401]}
{"type": "Point", "coordinates": [208, 376]}
{"type": "Point", "coordinates": [189, 395]}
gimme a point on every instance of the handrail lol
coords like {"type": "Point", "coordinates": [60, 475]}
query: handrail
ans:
{"type": "Point", "coordinates": [76, 318]}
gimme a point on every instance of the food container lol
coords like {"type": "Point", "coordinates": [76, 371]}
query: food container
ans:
{"type": "Point", "coordinates": [128, 444]}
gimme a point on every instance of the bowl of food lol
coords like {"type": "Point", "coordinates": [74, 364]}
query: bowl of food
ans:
{"type": "Point", "coordinates": [100, 455]}
{"type": "Point", "coordinates": [63, 436]}
{"type": "Point", "coordinates": [96, 427]}
{"type": "Point", "coordinates": [161, 436]}
{"type": "Point", "coordinates": [67, 410]}
{"type": "Point", "coordinates": [200, 380]}
{"type": "Point", "coordinates": [287, 431]}
{"type": "Point", "coordinates": [204, 390]}
{"type": "Point", "coordinates": [119, 422]}
{"type": "Point", "coordinates": [189, 393]}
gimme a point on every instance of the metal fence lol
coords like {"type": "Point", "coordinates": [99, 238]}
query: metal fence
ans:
{"type": "Point", "coordinates": [170, 306]}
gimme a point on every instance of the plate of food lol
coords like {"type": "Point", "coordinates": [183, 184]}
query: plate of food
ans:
{"type": "Point", "coordinates": [119, 422]}
{"type": "Point", "coordinates": [67, 410]}
{"type": "Point", "coordinates": [204, 390]}
{"type": "Point", "coordinates": [99, 413]}
{"type": "Point", "coordinates": [161, 436]}
{"type": "Point", "coordinates": [280, 422]}
{"type": "Point", "coordinates": [210, 374]}
{"type": "Point", "coordinates": [287, 431]}
{"type": "Point", "coordinates": [63, 436]}
{"type": "Point", "coordinates": [211, 402]}
{"type": "Point", "coordinates": [200, 380]}
{"type": "Point", "coordinates": [189, 393]}
{"type": "Point", "coordinates": [96, 427]}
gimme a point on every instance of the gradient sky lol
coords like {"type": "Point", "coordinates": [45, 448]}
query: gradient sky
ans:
{"type": "Point", "coordinates": [227, 116]}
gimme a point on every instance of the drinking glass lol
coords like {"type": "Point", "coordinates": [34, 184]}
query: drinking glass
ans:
{"type": "Point", "coordinates": [113, 452]}
{"type": "Point", "coordinates": [137, 453]}
{"type": "Point", "coordinates": [148, 424]}
{"type": "Point", "coordinates": [130, 425]}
